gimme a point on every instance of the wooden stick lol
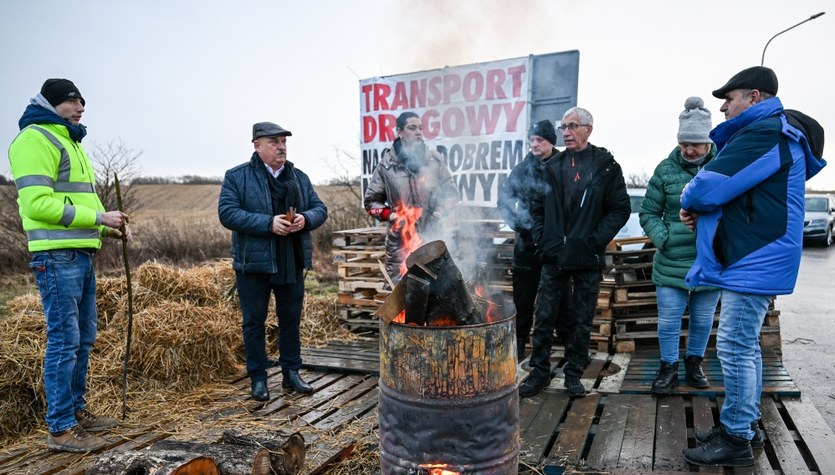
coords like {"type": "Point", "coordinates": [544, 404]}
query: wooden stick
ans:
{"type": "Point", "coordinates": [123, 229]}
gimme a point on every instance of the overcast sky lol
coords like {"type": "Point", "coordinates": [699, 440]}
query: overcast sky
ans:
{"type": "Point", "coordinates": [183, 81]}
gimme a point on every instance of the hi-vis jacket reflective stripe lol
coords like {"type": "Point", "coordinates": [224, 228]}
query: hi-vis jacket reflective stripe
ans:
{"type": "Point", "coordinates": [56, 189]}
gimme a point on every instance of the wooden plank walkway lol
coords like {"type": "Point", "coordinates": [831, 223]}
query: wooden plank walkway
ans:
{"type": "Point", "coordinates": [610, 431]}
{"type": "Point", "coordinates": [643, 366]}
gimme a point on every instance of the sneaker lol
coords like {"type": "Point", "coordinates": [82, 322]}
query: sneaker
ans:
{"type": "Point", "coordinates": [93, 423]}
{"type": "Point", "coordinates": [693, 373]}
{"type": "Point", "coordinates": [666, 379]}
{"type": "Point", "coordinates": [757, 442]}
{"type": "Point", "coordinates": [722, 449]}
{"type": "Point", "coordinates": [575, 388]}
{"type": "Point", "coordinates": [74, 439]}
{"type": "Point", "coordinates": [532, 385]}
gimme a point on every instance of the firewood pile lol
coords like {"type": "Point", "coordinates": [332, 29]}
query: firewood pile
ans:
{"type": "Point", "coordinates": [237, 453]}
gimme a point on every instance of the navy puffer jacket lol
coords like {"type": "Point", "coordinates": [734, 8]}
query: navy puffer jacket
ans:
{"type": "Point", "coordinates": [245, 207]}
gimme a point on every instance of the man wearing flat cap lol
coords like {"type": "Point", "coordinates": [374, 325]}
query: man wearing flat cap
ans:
{"type": "Point", "coordinates": [748, 204]}
{"type": "Point", "coordinates": [271, 207]}
{"type": "Point", "coordinates": [65, 223]}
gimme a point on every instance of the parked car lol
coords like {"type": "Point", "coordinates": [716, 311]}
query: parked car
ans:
{"type": "Point", "coordinates": [633, 228]}
{"type": "Point", "coordinates": [820, 218]}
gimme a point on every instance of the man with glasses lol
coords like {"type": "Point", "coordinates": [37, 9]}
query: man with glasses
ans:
{"type": "Point", "coordinates": [754, 187]}
{"type": "Point", "coordinates": [582, 209]}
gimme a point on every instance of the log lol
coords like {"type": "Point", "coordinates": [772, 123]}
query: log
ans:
{"type": "Point", "coordinates": [287, 451]}
{"type": "Point", "coordinates": [158, 463]}
{"type": "Point", "coordinates": [230, 459]}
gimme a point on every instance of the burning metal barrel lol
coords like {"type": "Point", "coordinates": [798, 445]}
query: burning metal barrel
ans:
{"type": "Point", "coordinates": [448, 399]}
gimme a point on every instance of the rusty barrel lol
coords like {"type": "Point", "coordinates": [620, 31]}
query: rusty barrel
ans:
{"type": "Point", "coordinates": [448, 399]}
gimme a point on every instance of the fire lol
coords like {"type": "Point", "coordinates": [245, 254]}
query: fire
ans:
{"type": "Point", "coordinates": [401, 317]}
{"type": "Point", "coordinates": [406, 225]}
{"type": "Point", "coordinates": [438, 469]}
{"type": "Point", "coordinates": [492, 314]}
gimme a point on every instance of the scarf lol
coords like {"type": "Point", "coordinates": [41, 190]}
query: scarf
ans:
{"type": "Point", "coordinates": [39, 111]}
{"type": "Point", "coordinates": [284, 193]}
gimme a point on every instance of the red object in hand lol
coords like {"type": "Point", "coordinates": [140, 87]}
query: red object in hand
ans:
{"type": "Point", "coordinates": [380, 213]}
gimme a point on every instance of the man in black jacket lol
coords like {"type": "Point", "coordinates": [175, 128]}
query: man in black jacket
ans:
{"type": "Point", "coordinates": [514, 203]}
{"type": "Point", "coordinates": [584, 207]}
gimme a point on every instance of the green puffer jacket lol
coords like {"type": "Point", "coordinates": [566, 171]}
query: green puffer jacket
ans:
{"type": "Point", "coordinates": [659, 217]}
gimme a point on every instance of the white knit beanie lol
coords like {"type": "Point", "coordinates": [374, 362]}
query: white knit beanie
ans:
{"type": "Point", "coordinates": [694, 122]}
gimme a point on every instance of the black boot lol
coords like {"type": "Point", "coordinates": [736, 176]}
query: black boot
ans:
{"type": "Point", "coordinates": [260, 391]}
{"type": "Point", "coordinates": [693, 373]}
{"type": "Point", "coordinates": [722, 449]}
{"type": "Point", "coordinates": [757, 442]}
{"type": "Point", "coordinates": [532, 385]}
{"type": "Point", "coordinates": [292, 380]}
{"type": "Point", "coordinates": [665, 379]}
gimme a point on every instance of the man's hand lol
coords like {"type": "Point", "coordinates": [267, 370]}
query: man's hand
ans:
{"type": "Point", "coordinates": [298, 223]}
{"type": "Point", "coordinates": [280, 225]}
{"type": "Point", "coordinates": [114, 219]}
{"type": "Point", "coordinates": [688, 219]}
{"type": "Point", "coordinates": [116, 234]}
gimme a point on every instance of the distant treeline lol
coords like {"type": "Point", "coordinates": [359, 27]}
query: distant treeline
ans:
{"type": "Point", "coordinates": [180, 180]}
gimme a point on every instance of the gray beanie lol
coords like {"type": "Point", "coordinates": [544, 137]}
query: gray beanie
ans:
{"type": "Point", "coordinates": [694, 122]}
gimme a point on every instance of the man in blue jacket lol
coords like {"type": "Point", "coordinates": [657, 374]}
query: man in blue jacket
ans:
{"type": "Point", "coordinates": [748, 204]}
{"type": "Point", "coordinates": [271, 207]}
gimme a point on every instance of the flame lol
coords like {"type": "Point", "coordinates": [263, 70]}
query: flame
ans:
{"type": "Point", "coordinates": [439, 469]}
{"type": "Point", "coordinates": [401, 317]}
{"type": "Point", "coordinates": [443, 321]}
{"type": "Point", "coordinates": [492, 314]}
{"type": "Point", "coordinates": [406, 225]}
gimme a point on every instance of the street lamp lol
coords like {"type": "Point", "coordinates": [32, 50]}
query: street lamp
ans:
{"type": "Point", "coordinates": [762, 61]}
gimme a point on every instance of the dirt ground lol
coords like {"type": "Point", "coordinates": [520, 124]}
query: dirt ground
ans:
{"type": "Point", "coordinates": [807, 323]}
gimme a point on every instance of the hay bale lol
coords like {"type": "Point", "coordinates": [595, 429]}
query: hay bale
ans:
{"type": "Point", "coordinates": [320, 323]}
{"type": "Point", "coordinates": [29, 303]}
{"type": "Point", "coordinates": [185, 344]}
{"type": "Point", "coordinates": [177, 284]}
{"type": "Point", "coordinates": [20, 409]}
{"type": "Point", "coordinates": [22, 344]}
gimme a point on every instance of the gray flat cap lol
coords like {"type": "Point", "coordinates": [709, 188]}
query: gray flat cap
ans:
{"type": "Point", "coordinates": [268, 129]}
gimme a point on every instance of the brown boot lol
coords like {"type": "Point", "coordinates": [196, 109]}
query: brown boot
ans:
{"type": "Point", "coordinates": [74, 439]}
{"type": "Point", "coordinates": [93, 423]}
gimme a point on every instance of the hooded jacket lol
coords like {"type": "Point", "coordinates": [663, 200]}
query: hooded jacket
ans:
{"type": "Point", "coordinates": [675, 242]}
{"type": "Point", "coordinates": [245, 207]}
{"type": "Point", "coordinates": [55, 182]}
{"type": "Point", "coordinates": [578, 242]}
{"type": "Point", "coordinates": [750, 201]}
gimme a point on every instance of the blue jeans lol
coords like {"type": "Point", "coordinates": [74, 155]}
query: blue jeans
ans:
{"type": "Point", "coordinates": [738, 345]}
{"type": "Point", "coordinates": [67, 284]}
{"type": "Point", "coordinates": [671, 304]}
{"type": "Point", "coordinates": [254, 293]}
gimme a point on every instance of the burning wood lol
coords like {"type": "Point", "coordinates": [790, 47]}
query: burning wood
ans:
{"type": "Point", "coordinates": [432, 292]}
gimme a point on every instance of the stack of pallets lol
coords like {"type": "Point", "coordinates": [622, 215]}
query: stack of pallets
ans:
{"type": "Point", "coordinates": [358, 254]}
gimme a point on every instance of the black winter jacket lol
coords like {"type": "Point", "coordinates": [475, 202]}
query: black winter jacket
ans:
{"type": "Point", "coordinates": [579, 242]}
{"type": "Point", "coordinates": [245, 207]}
{"type": "Point", "coordinates": [515, 195]}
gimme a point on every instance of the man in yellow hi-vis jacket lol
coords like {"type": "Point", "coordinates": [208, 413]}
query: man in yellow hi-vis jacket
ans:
{"type": "Point", "coordinates": [64, 221]}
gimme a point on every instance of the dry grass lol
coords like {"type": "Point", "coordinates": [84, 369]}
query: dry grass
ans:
{"type": "Point", "coordinates": [186, 344]}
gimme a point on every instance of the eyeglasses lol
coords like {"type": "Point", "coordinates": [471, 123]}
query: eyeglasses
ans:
{"type": "Point", "coordinates": [572, 126]}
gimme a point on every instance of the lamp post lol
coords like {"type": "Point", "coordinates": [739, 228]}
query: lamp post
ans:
{"type": "Point", "coordinates": [762, 61]}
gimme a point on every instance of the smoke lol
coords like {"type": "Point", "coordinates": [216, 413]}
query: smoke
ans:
{"type": "Point", "coordinates": [466, 32]}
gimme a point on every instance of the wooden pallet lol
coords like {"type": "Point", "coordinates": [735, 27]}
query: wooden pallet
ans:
{"type": "Point", "coordinates": [641, 434]}
{"type": "Point", "coordinates": [643, 367]}
{"type": "Point", "coordinates": [343, 407]}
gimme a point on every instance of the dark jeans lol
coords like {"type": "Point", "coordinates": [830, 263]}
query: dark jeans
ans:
{"type": "Point", "coordinates": [574, 324]}
{"type": "Point", "coordinates": [526, 271]}
{"type": "Point", "coordinates": [254, 293]}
